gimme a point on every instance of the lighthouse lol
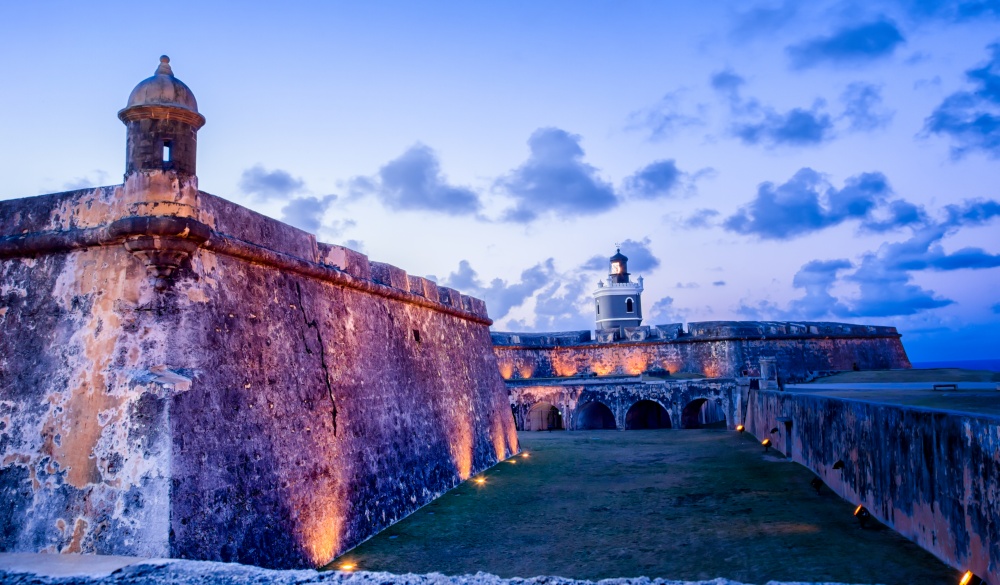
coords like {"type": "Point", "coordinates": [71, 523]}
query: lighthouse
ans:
{"type": "Point", "coordinates": [617, 300]}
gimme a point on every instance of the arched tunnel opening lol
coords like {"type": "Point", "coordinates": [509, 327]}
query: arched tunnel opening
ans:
{"type": "Point", "coordinates": [595, 416]}
{"type": "Point", "coordinates": [703, 413]}
{"type": "Point", "coordinates": [647, 414]}
{"type": "Point", "coordinates": [543, 417]}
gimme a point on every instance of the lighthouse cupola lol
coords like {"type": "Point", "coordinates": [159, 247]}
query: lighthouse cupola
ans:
{"type": "Point", "coordinates": [619, 267]}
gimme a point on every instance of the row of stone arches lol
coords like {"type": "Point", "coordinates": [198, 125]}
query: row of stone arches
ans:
{"type": "Point", "coordinates": [644, 414]}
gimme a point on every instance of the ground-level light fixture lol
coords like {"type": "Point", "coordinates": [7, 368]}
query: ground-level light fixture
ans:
{"type": "Point", "coordinates": [970, 578]}
{"type": "Point", "coordinates": [347, 567]}
{"type": "Point", "coordinates": [740, 428]}
{"type": "Point", "coordinates": [479, 480]}
{"type": "Point", "coordinates": [524, 455]}
{"type": "Point", "coordinates": [862, 514]}
{"type": "Point", "coordinates": [767, 445]}
{"type": "Point", "coordinates": [817, 484]}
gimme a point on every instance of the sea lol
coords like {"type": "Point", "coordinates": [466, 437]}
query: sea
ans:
{"type": "Point", "coordinates": [991, 365]}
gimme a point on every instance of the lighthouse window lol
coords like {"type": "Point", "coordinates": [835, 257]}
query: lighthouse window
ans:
{"type": "Point", "coordinates": [616, 268]}
{"type": "Point", "coordinates": [598, 307]}
{"type": "Point", "coordinates": [629, 306]}
{"type": "Point", "coordinates": [166, 150]}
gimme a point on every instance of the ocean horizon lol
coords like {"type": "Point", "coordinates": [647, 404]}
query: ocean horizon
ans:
{"type": "Point", "coordinates": [992, 365]}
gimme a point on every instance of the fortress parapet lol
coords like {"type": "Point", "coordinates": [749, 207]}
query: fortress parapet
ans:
{"type": "Point", "coordinates": [774, 329]}
{"type": "Point", "coordinates": [540, 339]}
{"type": "Point", "coordinates": [700, 331]}
{"type": "Point", "coordinates": [40, 225]}
{"type": "Point", "coordinates": [710, 348]}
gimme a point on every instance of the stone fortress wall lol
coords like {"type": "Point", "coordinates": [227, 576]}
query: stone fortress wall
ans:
{"type": "Point", "coordinates": [183, 377]}
{"type": "Point", "coordinates": [931, 475]}
{"type": "Point", "coordinates": [279, 403]}
{"type": "Point", "coordinates": [715, 349]}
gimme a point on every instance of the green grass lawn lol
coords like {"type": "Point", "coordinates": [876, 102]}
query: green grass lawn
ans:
{"type": "Point", "coordinates": [681, 504]}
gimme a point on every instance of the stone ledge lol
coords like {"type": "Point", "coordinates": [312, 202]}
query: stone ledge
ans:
{"type": "Point", "coordinates": [384, 280]}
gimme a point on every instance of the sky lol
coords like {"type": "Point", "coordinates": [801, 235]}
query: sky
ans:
{"type": "Point", "coordinates": [820, 161]}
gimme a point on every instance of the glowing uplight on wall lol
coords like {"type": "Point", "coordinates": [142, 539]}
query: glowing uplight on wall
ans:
{"type": "Point", "coordinates": [321, 523]}
{"type": "Point", "coordinates": [502, 446]}
{"type": "Point", "coordinates": [506, 370]}
{"type": "Point", "coordinates": [862, 514]}
{"type": "Point", "coordinates": [636, 363]}
{"type": "Point", "coordinates": [526, 371]}
{"type": "Point", "coordinates": [602, 369]}
{"type": "Point", "coordinates": [460, 444]}
{"type": "Point", "coordinates": [512, 443]}
{"type": "Point", "coordinates": [563, 365]}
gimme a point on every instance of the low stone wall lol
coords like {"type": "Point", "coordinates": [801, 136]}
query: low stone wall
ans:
{"type": "Point", "coordinates": [710, 349]}
{"type": "Point", "coordinates": [197, 380]}
{"type": "Point", "coordinates": [119, 571]}
{"type": "Point", "coordinates": [568, 396]}
{"type": "Point", "coordinates": [932, 476]}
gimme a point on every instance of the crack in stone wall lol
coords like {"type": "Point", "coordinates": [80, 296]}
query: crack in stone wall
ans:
{"type": "Point", "coordinates": [322, 354]}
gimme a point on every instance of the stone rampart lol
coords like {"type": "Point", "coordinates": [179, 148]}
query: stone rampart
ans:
{"type": "Point", "coordinates": [932, 476]}
{"type": "Point", "coordinates": [183, 377]}
{"type": "Point", "coordinates": [714, 349]}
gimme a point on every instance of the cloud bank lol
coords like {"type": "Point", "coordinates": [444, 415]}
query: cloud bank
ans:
{"type": "Point", "coordinates": [808, 203]}
{"type": "Point", "coordinates": [414, 182]}
{"type": "Point", "coordinates": [850, 45]}
{"type": "Point", "coordinates": [971, 118]}
{"type": "Point", "coordinates": [555, 180]}
{"type": "Point", "coordinates": [264, 185]}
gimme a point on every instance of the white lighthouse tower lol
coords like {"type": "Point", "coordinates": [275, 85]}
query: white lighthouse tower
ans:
{"type": "Point", "coordinates": [618, 301]}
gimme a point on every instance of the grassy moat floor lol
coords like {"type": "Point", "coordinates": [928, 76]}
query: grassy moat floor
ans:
{"type": "Point", "coordinates": [678, 504]}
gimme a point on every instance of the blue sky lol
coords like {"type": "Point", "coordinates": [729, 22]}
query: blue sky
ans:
{"type": "Point", "coordinates": [757, 160]}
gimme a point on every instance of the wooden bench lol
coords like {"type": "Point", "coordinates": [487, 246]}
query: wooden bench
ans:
{"type": "Point", "coordinates": [943, 387]}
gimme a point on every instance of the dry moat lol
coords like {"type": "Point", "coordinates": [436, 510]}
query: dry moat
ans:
{"type": "Point", "coordinates": [691, 504]}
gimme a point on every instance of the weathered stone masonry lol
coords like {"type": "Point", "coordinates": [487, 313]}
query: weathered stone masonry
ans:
{"type": "Point", "coordinates": [714, 349]}
{"type": "Point", "coordinates": [932, 476]}
{"type": "Point", "coordinates": [270, 408]}
{"type": "Point", "coordinates": [620, 395]}
{"type": "Point", "coordinates": [183, 377]}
